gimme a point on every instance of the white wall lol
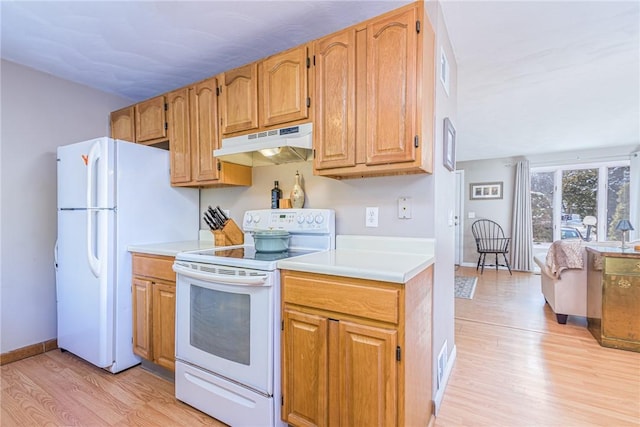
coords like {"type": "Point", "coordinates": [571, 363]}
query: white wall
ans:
{"type": "Point", "coordinates": [498, 210]}
{"type": "Point", "coordinates": [444, 185]}
{"type": "Point", "coordinates": [39, 113]}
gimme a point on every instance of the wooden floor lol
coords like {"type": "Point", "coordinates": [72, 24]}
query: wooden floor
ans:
{"type": "Point", "coordinates": [516, 366]}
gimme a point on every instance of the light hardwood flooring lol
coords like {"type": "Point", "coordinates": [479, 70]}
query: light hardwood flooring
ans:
{"type": "Point", "coordinates": [516, 366]}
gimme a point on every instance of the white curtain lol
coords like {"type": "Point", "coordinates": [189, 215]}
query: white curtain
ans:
{"type": "Point", "coordinates": [521, 228]}
{"type": "Point", "coordinates": [634, 192]}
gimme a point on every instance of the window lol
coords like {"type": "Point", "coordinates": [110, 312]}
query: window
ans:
{"type": "Point", "coordinates": [562, 197]}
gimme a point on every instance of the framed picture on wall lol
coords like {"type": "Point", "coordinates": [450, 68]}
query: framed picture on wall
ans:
{"type": "Point", "coordinates": [485, 190]}
{"type": "Point", "coordinates": [449, 146]}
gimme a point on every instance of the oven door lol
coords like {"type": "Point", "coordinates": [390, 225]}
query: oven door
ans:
{"type": "Point", "coordinates": [224, 323]}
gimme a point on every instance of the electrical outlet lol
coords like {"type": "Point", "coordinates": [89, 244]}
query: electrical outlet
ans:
{"type": "Point", "coordinates": [404, 207]}
{"type": "Point", "coordinates": [371, 217]}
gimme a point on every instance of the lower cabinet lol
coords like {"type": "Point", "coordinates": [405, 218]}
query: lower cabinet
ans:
{"type": "Point", "coordinates": [154, 308]}
{"type": "Point", "coordinates": [356, 352]}
{"type": "Point", "coordinates": [613, 299]}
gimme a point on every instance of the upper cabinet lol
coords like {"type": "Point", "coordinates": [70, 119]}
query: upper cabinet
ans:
{"type": "Point", "coordinates": [369, 89]}
{"type": "Point", "coordinates": [123, 124]}
{"type": "Point", "coordinates": [151, 123]}
{"type": "Point", "coordinates": [264, 94]}
{"type": "Point", "coordinates": [369, 78]}
{"type": "Point", "coordinates": [335, 100]}
{"type": "Point", "coordinates": [238, 99]}
{"type": "Point", "coordinates": [192, 132]}
{"type": "Point", "coordinates": [392, 74]}
{"type": "Point", "coordinates": [284, 87]}
{"type": "Point", "coordinates": [178, 127]}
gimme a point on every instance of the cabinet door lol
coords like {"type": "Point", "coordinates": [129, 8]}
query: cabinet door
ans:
{"type": "Point", "coordinates": [305, 369]}
{"type": "Point", "coordinates": [238, 100]}
{"type": "Point", "coordinates": [368, 380]}
{"type": "Point", "coordinates": [283, 87]}
{"type": "Point", "coordinates": [621, 306]}
{"type": "Point", "coordinates": [391, 88]}
{"type": "Point", "coordinates": [335, 103]}
{"type": "Point", "coordinates": [141, 300]}
{"type": "Point", "coordinates": [204, 130]}
{"type": "Point", "coordinates": [164, 319]}
{"type": "Point", "coordinates": [123, 124]}
{"type": "Point", "coordinates": [150, 120]}
{"type": "Point", "coordinates": [179, 136]}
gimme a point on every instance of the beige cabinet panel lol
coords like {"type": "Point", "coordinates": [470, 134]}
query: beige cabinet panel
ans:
{"type": "Point", "coordinates": [305, 369]}
{"type": "Point", "coordinates": [204, 130]}
{"type": "Point", "coordinates": [284, 87]}
{"type": "Point", "coordinates": [391, 88]}
{"type": "Point", "coordinates": [123, 124]}
{"type": "Point", "coordinates": [151, 120]}
{"type": "Point", "coordinates": [335, 100]}
{"type": "Point", "coordinates": [141, 301]}
{"type": "Point", "coordinates": [179, 135]}
{"type": "Point", "coordinates": [164, 324]}
{"type": "Point", "coordinates": [238, 99]}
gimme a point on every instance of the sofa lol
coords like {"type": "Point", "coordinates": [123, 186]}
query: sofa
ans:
{"type": "Point", "coordinates": [564, 283]}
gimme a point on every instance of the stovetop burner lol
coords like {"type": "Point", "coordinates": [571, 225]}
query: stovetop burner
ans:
{"type": "Point", "coordinates": [250, 253]}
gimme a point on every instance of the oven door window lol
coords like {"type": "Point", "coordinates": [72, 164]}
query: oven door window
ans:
{"type": "Point", "coordinates": [221, 324]}
{"type": "Point", "coordinates": [227, 329]}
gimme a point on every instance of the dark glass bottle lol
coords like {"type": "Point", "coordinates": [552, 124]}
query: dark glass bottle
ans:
{"type": "Point", "coordinates": [276, 195]}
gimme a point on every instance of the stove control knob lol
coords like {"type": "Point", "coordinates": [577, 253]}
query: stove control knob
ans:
{"type": "Point", "coordinates": [300, 219]}
{"type": "Point", "coordinates": [309, 219]}
{"type": "Point", "coordinates": [319, 219]}
{"type": "Point", "coordinates": [248, 218]}
{"type": "Point", "coordinates": [256, 218]}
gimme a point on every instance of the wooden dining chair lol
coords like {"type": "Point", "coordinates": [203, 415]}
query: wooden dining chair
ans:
{"type": "Point", "coordinates": [490, 239]}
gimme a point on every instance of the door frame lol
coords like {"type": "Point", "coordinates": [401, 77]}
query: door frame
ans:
{"type": "Point", "coordinates": [458, 218]}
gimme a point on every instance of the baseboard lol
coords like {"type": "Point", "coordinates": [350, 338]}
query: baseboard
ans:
{"type": "Point", "coordinates": [28, 351]}
{"type": "Point", "coordinates": [445, 379]}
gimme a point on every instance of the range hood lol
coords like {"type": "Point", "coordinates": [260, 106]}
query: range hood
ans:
{"type": "Point", "coordinates": [274, 146]}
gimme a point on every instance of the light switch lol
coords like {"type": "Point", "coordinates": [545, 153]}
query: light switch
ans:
{"type": "Point", "coordinates": [471, 215]}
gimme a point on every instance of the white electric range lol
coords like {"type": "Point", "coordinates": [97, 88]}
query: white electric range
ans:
{"type": "Point", "coordinates": [228, 318]}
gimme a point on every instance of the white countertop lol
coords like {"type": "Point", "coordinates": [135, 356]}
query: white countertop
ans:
{"type": "Point", "coordinates": [388, 259]}
{"type": "Point", "coordinates": [171, 248]}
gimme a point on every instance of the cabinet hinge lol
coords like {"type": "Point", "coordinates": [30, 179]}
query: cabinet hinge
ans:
{"type": "Point", "coordinates": [217, 91]}
{"type": "Point", "coordinates": [282, 400]}
{"type": "Point", "coordinates": [282, 325]}
{"type": "Point", "coordinates": [416, 142]}
{"type": "Point", "coordinates": [308, 62]}
{"type": "Point", "coordinates": [314, 60]}
{"type": "Point", "coordinates": [218, 165]}
{"type": "Point", "coordinates": [166, 126]}
{"type": "Point", "coordinates": [398, 353]}
{"type": "Point", "coordinates": [418, 27]}
{"type": "Point", "coordinates": [308, 102]}
{"type": "Point", "coordinates": [166, 106]}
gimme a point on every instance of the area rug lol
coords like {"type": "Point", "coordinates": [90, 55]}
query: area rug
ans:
{"type": "Point", "coordinates": [465, 286]}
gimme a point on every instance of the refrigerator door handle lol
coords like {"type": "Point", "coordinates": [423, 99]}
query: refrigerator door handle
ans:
{"type": "Point", "coordinates": [92, 160]}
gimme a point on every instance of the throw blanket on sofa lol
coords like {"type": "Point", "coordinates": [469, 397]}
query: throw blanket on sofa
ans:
{"type": "Point", "coordinates": [563, 255]}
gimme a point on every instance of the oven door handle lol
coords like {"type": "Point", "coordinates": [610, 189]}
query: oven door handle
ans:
{"type": "Point", "coordinates": [221, 278]}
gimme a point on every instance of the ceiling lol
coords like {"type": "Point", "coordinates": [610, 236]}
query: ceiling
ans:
{"type": "Point", "coordinates": [533, 77]}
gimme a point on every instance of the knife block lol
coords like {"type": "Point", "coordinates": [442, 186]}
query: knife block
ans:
{"type": "Point", "coordinates": [229, 235]}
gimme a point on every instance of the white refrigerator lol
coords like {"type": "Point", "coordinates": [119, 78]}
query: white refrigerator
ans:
{"type": "Point", "coordinates": [111, 194]}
